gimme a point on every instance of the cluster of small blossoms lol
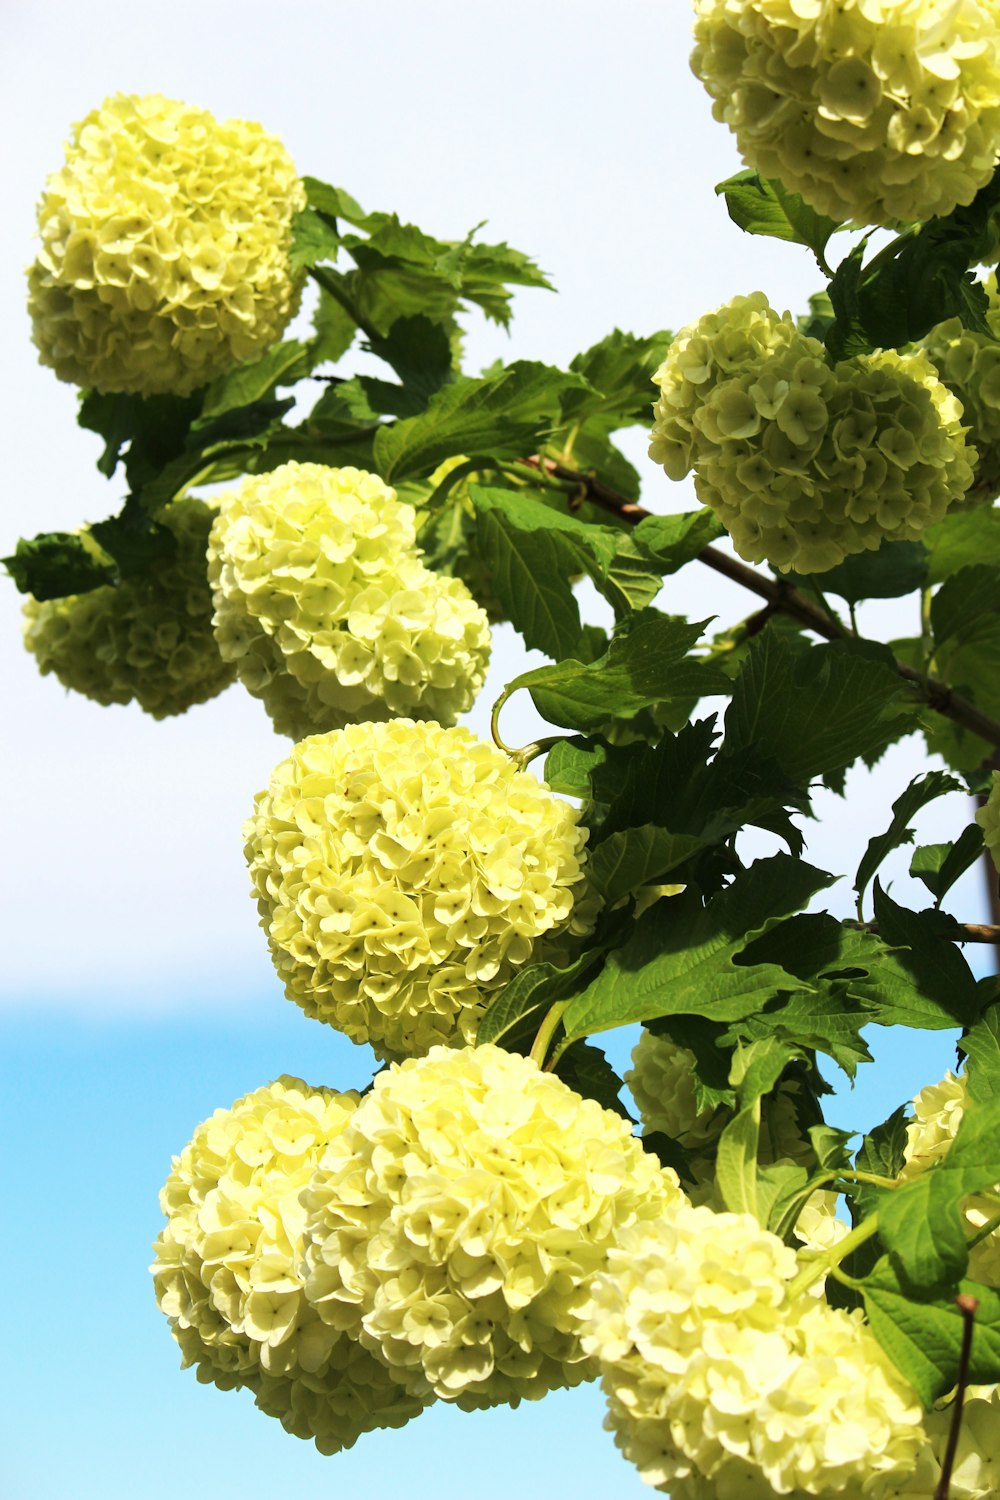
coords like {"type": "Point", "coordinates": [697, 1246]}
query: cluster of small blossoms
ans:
{"type": "Point", "coordinates": [872, 110]}
{"type": "Point", "coordinates": [975, 1473]}
{"type": "Point", "coordinates": [227, 1268]}
{"type": "Point", "coordinates": [454, 1225]}
{"type": "Point", "coordinates": [402, 872]}
{"type": "Point", "coordinates": [806, 462]}
{"type": "Point", "coordinates": [937, 1114]}
{"type": "Point", "coordinates": [326, 609]}
{"type": "Point", "coordinates": [988, 818]}
{"type": "Point", "coordinates": [662, 1081]}
{"type": "Point", "coordinates": [969, 364]}
{"type": "Point", "coordinates": [165, 240]}
{"type": "Point", "coordinates": [146, 640]}
{"type": "Point", "coordinates": [722, 1383]}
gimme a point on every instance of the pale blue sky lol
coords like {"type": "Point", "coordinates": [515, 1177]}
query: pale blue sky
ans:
{"type": "Point", "coordinates": [137, 993]}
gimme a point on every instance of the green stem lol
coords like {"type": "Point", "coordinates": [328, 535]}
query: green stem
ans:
{"type": "Point", "coordinates": [824, 1264]}
{"type": "Point", "coordinates": [525, 756]}
{"type": "Point", "coordinates": [333, 285]}
{"type": "Point", "coordinates": [546, 1032]}
{"type": "Point", "coordinates": [987, 1229]}
{"type": "Point", "coordinates": [495, 723]}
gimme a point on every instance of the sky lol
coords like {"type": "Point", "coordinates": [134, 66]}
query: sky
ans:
{"type": "Point", "coordinates": [137, 993]}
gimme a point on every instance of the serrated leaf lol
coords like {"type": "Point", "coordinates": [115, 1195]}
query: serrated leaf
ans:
{"type": "Point", "coordinates": [677, 540]}
{"type": "Point", "coordinates": [55, 564]}
{"type": "Point", "coordinates": [246, 384]}
{"type": "Point", "coordinates": [963, 600]}
{"type": "Point", "coordinates": [146, 431]}
{"type": "Point", "coordinates": [925, 982]}
{"type": "Point", "coordinates": [891, 571]}
{"type": "Point", "coordinates": [646, 664]}
{"type": "Point", "coordinates": [334, 330]}
{"type": "Point", "coordinates": [314, 240]}
{"type": "Point", "coordinates": [981, 1046]}
{"type": "Point", "coordinates": [636, 857]}
{"type": "Point", "coordinates": [766, 207]}
{"type": "Point", "coordinates": [504, 415]}
{"type": "Point", "coordinates": [922, 791]}
{"type": "Point", "coordinates": [588, 1072]}
{"type": "Point", "coordinates": [571, 765]}
{"type": "Point", "coordinates": [962, 540]}
{"type": "Point", "coordinates": [922, 1334]}
{"type": "Point", "coordinates": [336, 203]}
{"type": "Point", "coordinates": [883, 1150]}
{"type": "Point", "coordinates": [420, 353]}
{"type": "Point", "coordinates": [920, 1223]}
{"type": "Point", "coordinates": [736, 1161]}
{"type": "Point", "coordinates": [680, 956]}
{"type": "Point", "coordinates": [133, 541]}
{"type": "Point", "coordinates": [817, 710]}
{"type": "Point", "coordinates": [620, 372]}
{"type": "Point", "coordinates": [516, 1011]}
{"type": "Point", "coordinates": [940, 865]}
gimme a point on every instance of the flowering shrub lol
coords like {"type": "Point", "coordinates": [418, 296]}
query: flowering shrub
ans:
{"type": "Point", "coordinates": [402, 872]}
{"type": "Point", "coordinates": [988, 818]}
{"type": "Point", "coordinates": [324, 606]}
{"type": "Point", "coordinates": [720, 1382]}
{"type": "Point", "coordinates": [227, 1268]}
{"type": "Point", "coordinates": [147, 639]}
{"type": "Point", "coordinates": [878, 111]}
{"type": "Point", "coordinates": [165, 240]}
{"type": "Point", "coordinates": [454, 1224]}
{"type": "Point", "coordinates": [806, 462]}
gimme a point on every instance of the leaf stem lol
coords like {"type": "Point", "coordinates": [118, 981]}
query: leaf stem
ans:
{"type": "Point", "coordinates": [968, 1307]}
{"type": "Point", "coordinates": [546, 1032]}
{"type": "Point", "coordinates": [824, 1264]}
{"type": "Point", "coordinates": [333, 285]}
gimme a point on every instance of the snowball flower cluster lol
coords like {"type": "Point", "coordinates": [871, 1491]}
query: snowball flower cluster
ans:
{"type": "Point", "coordinates": [806, 462]}
{"type": "Point", "coordinates": [165, 241]}
{"type": "Point", "coordinates": [662, 1081]}
{"type": "Point", "coordinates": [147, 640]}
{"type": "Point", "coordinates": [326, 609]}
{"type": "Point", "coordinates": [455, 1223]}
{"type": "Point", "coordinates": [873, 110]}
{"type": "Point", "coordinates": [988, 818]}
{"type": "Point", "coordinates": [720, 1383]}
{"type": "Point", "coordinates": [969, 364]}
{"type": "Point", "coordinates": [937, 1114]}
{"type": "Point", "coordinates": [402, 872]}
{"type": "Point", "coordinates": [227, 1268]}
{"type": "Point", "coordinates": [975, 1474]}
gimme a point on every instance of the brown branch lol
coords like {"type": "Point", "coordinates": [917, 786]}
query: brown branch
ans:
{"type": "Point", "coordinates": [968, 1307]}
{"type": "Point", "coordinates": [780, 595]}
{"type": "Point", "coordinates": [959, 932]}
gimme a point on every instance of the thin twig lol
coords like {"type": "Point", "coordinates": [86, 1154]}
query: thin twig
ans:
{"type": "Point", "coordinates": [959, 932]}
{"type": "Point", "coordinates": [968, 1307]}
{"type": "Point", "coordinates": [780, 595]}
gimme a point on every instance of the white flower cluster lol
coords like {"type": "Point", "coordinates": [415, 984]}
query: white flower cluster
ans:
{"type": "Point", "coordinates": [937, 1114]}
{"type": "Point", "coordinates": [806, 462]}
{"type": "Point", "coordinates": [872, 110]}
{"type": "Point", "coordinates": [326, 609]}
{"type": "Point", "coordinates": [975, 1474]}
{"type": "Point", "coordinates": [165, 240]}
{"type": "Point", "coordinates": [455, 1222]}
{"type": "Point", "coordinates": [662, 1080]}
{"type": "Point", "coordinates": [227, 1268]}
{"type": "Point", "coordinates": [988, 818]}
{"type": "Point", "coordinates": [969, 364]}
{"type": "Point", "coordinates": [721, 1384]}
{"type": "Point", "coordinates": [147, 639]}
{"type": "Point", "coordinates": [402, 872]}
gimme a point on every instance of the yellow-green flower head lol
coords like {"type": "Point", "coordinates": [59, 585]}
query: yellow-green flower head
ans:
{"type": "Point", "coordinates": [937, 1113]}
{"type": "Point", "coordinates": [872, 110]}
{"type": "Point", "coordinates": [228, 1276]}
{"type": "Point", "coordinates": [988, 818]}
{"type": "Point", "coordinates": [326, 609]}
{"type": "Point", "coordinates": [662, 1081]}
{"type": "Point", "coordinates": [721, 1384]}
{"type": "Point", "coordinates": [147, 640]}
{"type": "Point", "coordinates": [806, 462]}
{"type": "Point", "coordinates": [455, 1224]}
{"type": "Point", "coordinates": [969, 364]}
{"type": "Point", "coordinates": [976, 1471]}
{"type": "Point", "coordinates": [165, 240]}
{"type": "Point", "coordinates": [402, 872]}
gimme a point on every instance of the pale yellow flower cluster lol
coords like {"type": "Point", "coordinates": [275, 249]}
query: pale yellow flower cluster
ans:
{"type": "Point", "coordinates": [227, 1270]}
{"type": "Point", "coordinates": [662, 1081]}
{"type": "Point", "coordinates": [146, 640]}
{"type": "Point", "coordinates": [937, 1114]}
{"type": "Point", "coordinates": [806, 462]}
{"type": "Point", "coordinates": [324, 605]}
{"type": "Point", "coordinates": [988, 818]}
{"type": "Point", "coordinates": [165, 240]}
{"type": "Point", "coordinates": [403, 871]}
{"type": "Point", "coordinates": [455, 1223]}
{"type": "Point", "coordinates": [872, 110]}
{"type": "Point", "coordinates": [969, 364]}
{"type": "Point", "coordinates": [976, 1471]}
{"type": "Point", "coordinates": [722, 1384]}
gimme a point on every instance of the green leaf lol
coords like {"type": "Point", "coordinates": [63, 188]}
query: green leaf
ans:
{"type": "Point", "coordinates": [940, 865]}
{"type": "Point", "coordinates": [338, 204]}
{"type": "Point", "coordinates": [963, 600]}
{"type": "Point", "coordinates": [676, 540]}
{"type": "Point", "coordinates": [646, 664]}
{"type": "Point", "coordinates": [883, 1150]}
{"type": "Point", "coordinates": [925, 982]}
{"type": "Point", "coordinates": [826, 1018]}
{"type": "Point", "coordinates": [922, 1332]}
{"type": "Point", "coordinates": [766, 207]}
{"type": "Point", "coordinates": [588, 1073]}
{"type": "Point", "coordinates": [148, 431]}
{"type": "Point", "coordinates": [517, 1010]}
{"type": "Point", "coordinates": [420, 353]}
{"type": "Point", "coordinates": [636, 857]}
{"type": "Point", "coordinates": [920, 1223]}
{"type": "Point", "coordinates": [736, 1161]}
{"type": "Point", "coordinates": [133, 541]}
{"type": "Point", "coordinates": [818, 710]}
{"type": "Point", "coordinates": [334, 330]}
{"type": "Point", "coordinates": [918, 794]}
{"type": "Point", "coordinates": [981, 1046]}
{"type": "Point", "coordinates": [680, 956]}
{"type": "Point", "coordinates": [504, 415]}
{"type": "Point", "coordinates": [961, 540]}
{"type": "Point", "coordinates": [57, 563]}
{"type": "Point", "coordinates": [620, 371]}
{"type": "Point", "coordinates": [314, 240]}
{"type": "Point", "coordinates": [246, 384]}
{"type": "Point", "coordinates": [889, 572]}
{"type": "Point", "coordinates": [572, 764]}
